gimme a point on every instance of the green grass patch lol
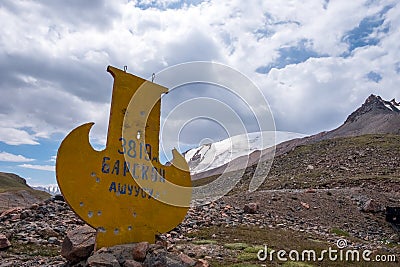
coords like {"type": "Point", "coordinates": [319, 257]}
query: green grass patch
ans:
{"type": "Point", "coordinates": [236, 246]}
{"type": "Point", "coordinates": [34, 250]}
{"type": "Point", "coordinates": [204, 242]}
{"type": "Point", "coordinates": [244, 265]}
{"type": "Point", "coordinates": [247, 256]}
{"type": "Point", "coordinates": [11, 182]}
{"type": "Point", "coordinates": [255, 249]}
{"type": "Point", "coordinates": [339, 232]}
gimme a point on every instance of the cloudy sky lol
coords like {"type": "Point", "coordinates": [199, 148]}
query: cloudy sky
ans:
{"type": "Point", "coordinates": [315, 62]}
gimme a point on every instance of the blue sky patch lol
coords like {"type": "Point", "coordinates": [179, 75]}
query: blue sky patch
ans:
{"type": "Point", "coordinates": [374, 76]}
{"type": "Point", "coordinates": [268, 29]}
{"type": "Point", "coordinates": [163, 6]}
{"type": "Point", "coordinates": [290, 55]}
{"type": "Point", "coordinates": [397, 67]}
{"type": "Point", "coordinates": [361, 35]}
{"type": "Point", "coordinates": [326, 3]}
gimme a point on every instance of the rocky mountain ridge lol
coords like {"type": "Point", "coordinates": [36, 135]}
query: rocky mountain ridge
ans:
{"type": "Point", "coordinates": [374, 104]}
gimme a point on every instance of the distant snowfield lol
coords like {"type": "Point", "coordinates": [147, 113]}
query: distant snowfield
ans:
{"type": "Point", "coordinates": [210, 156]}
{"type": "Point", "coordinates": [52, 189]}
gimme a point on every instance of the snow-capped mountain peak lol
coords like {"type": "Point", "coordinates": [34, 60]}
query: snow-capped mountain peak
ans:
{"type": "Point", "coordinates": [393, 105]}
{"type": "Point", "coordinates": [210, 156]}
{"type": "Point", "coordinates": [52, 189]}
{"type": "Point", "coordinates": [390, 105]}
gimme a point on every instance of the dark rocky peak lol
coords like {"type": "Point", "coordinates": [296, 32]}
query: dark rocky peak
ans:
{"type": "Point", "coordinates": [374, 105]}
{"type": "Point", "coordinates": [395, 104]}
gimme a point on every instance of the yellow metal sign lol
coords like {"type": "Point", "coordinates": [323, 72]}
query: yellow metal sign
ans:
{"type": "Point", "coordinates": [124, 191]}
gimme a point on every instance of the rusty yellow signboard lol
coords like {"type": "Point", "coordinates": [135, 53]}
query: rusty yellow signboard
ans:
{"type": "Point", "coordinates": [124, 191]}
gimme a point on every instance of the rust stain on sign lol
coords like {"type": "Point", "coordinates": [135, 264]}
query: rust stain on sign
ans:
{"type": "Point", "coordinates": [124, 191]}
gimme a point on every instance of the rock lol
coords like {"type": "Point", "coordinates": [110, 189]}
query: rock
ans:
{"type": "Point", "coordinates": [251, 207]}
{"type": "Point", "coordinates": [395, 238]}
{"type": "Point", "coordinates": [201, 263]}
{"type": "Point", "coordinates": [156, 259]}
{"type": "Point", "coordinates": [159, 257]}
{"type": "Point", "coordinates": [121, 252]}
{"type": "Point", "coordinates": [4, 242]}
{"type": "Point", "coordinates": [162, 243]}
{"type": "Point", "coordinates": [78, 244]}
{"type": "Point", "coordinates": [371, 206]}
{"type": "Point", "coordinates": [34, 206]}
{"type": "Point", "coordinates": [16, 217]}
{"type": "Point", "coordinates": [59, 197]}
{"type": "Point", "coordinates": [171, 261]}
{"type": "Point", "coordinates": [140, 251]}
{"type": "Point", "coordinates": [310, 167]}
{"type": "Point", "coordinates": [48, 232]}
{"type": "Point", "coordinates": [26, 214]}
{"type": "Point", "coordinates": [186, 260]}
{"type": "Point", "coordinates": [10, 211]}
{"type": "Point", "coordinates": [305, 205]}
{"type": "Point", "coordinates": [132, 263]}
{"type": "Point", "coordinates": [103, 259]}
{"type": "Point", "coordinates": [53, 240]}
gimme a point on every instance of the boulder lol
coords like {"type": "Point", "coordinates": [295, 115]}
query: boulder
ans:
{"type": "Point", "coordinates": [4, 242]}
{"type": "Point", "coordinates": [371, 206]}
{"type": "Point", "coordinates": [121, 252]}
{"type": "Point", "coordinates": [78, 244]}
{"type": "Point", "coordinates": [47, 232]}
{"type": "Point", "coordinates": [186, 260]}
{"type": "Point", "coordinates": [140, 251]}
{"type": "Point", "coordinates": [202, 263]}
{"type": "Point", "coordinates": [103, 259]}
{"type": "Point", "coordinates": [251, 207]}
{"type": "Point", "coordinates": [59, 197]}
{"type": "Point", "coordinates": [132, 263]}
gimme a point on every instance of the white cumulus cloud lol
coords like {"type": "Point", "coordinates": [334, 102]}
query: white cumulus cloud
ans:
{"type": "Point", "coordinates": [8, 157]}
{"type": "Point", "coordinates": [38, 167]}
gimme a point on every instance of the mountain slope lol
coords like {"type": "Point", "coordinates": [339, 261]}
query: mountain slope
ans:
{"type": "Point", "coordinates": [332, 163]}
{"type": "Point", "coordinates": [375, 116]}
{"type": "Point", "coordinates": [10, 181]}
{"type": "Point", "coordinates": [337, 162]}
{"type": "Point", "coordinates": [14, 192]}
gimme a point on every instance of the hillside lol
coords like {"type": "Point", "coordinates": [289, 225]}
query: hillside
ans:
{"type": "Point", "coordinates": [10, 181]}
{"type": "Point", "coordinates": [14, 192]}
{"type": "Point", "coordinates": [339, 162]}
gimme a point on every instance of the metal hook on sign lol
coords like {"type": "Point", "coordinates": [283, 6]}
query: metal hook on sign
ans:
{"type": "Point", "coordinates": [125, 68]}
{"type": "Point", "coordinates": [153, 76]}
